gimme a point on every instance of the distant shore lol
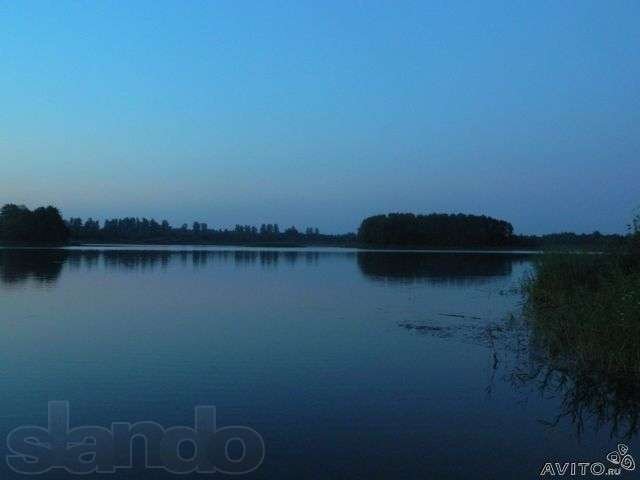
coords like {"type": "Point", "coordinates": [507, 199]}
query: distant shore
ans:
{"type": "Point", "coordinates": [345, 245]}
{"type": "Point", "coordinates": [44, 226]}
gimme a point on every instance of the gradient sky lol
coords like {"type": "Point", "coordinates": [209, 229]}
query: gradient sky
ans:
{"type": "Point", "coordinates": [320, 113]}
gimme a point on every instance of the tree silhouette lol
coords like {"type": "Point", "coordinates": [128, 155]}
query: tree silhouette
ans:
{"type": "Point", "coordinates": [437, 230]}
{"type": "Point", "coordinates": [42, 225]}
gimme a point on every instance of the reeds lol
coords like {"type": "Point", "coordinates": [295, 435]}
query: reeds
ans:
{"type": "Point", "coordinates": [585, 309]}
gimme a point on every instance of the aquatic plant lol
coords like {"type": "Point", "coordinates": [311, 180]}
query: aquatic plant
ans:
{"type": "Point", "coordinates": [583, 311]}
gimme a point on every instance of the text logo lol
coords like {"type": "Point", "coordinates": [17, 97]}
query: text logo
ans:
{"type": "Point", "coordinates": [94, 449]}
{"type": "Point", "coordinates": [620, 458]}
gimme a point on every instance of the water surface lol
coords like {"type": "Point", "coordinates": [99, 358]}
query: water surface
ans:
{"type": "Point", "coordinates": [350, 364]}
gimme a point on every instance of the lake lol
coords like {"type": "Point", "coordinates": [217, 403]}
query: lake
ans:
{"type": "Point", "coordinates": [348, 364]}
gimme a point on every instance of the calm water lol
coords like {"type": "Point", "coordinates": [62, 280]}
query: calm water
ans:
{"type": "Point", "coordinates": [349, 364]}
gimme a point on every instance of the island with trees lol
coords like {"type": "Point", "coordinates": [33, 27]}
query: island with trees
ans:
{"type": "Point", "coordinates": [436, 230]}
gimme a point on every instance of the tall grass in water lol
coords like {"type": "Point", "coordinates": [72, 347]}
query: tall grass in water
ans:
{"type": "Point", "coordinates": [584, 315]}
{"type": "Point", "coordinates": [586, 308]}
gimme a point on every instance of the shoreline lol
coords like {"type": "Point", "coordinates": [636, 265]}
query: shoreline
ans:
{"type": "Point", "coordinates": [139, 246]}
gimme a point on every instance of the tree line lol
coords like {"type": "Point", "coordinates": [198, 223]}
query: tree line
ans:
{"type": "Point", "coordinates": [574, 240]}
{"type": "Point", "coordinates": [133, 229]}
{"type": "Point", "coordinates": [18, 224]}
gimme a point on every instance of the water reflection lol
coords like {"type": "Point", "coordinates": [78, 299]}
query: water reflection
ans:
{"type": "Point", "coordinates": [42, 266]}
{"type": "Point", "coordinates": [46, 265]}
{"type": "Point", "coordinates": [457, 268]}
{"type": "Point", "coordinates": [589, 398]}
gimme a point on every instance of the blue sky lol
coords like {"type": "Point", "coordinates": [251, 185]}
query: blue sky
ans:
{"type": "Point", "coordinates": [320, 113]}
